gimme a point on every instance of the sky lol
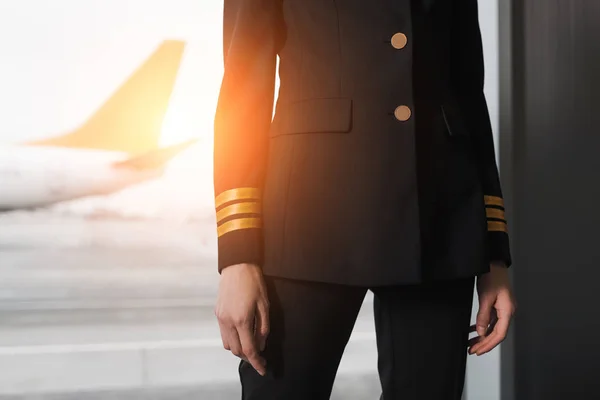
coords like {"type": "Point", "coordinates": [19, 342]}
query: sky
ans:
{"type": "Point", "coordinates": [62, 59]}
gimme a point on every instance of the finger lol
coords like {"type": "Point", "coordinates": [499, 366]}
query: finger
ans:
{"type": "Point", "coordinates": [482, 342]}
{"type": "Point", "coordinates": [235, 343]}
{"type": "Point", "coordinates": [495, 338]}
{"type": "Point", "coordinates": [249, 347]}
{"type": "Point", "coordinates": [492, 341]}
{"type": "Point", "coordinates": [222, 328]}
{"type": "Point", "coordinates": [484, 315]}
{"type": "Point", "coordinates": [224, 336]}
{"type": "Point", "coordinates": [473, 342]}
{"type": "Point", "coordinates": [473, 328]}
{"type": "Point", "coordinates": [262, 327]}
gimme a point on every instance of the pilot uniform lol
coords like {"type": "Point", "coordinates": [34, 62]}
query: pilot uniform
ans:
{"type": "Point", "coordinates": [376, 171]}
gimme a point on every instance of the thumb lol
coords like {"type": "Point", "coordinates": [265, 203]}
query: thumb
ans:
{"type": "Point", "coordinates": [484, 315]}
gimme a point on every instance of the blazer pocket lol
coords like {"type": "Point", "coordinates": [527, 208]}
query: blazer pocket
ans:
{"type": "Point", "coordinates": [453, 118]}
{"type": "Point", "coordinates": [327, 115]}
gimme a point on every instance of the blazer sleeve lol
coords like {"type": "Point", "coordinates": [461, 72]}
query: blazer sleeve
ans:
{"type": "Point", "coordinates": [252, 34]}
{"type": "Point", "coordinates": [469, 69]}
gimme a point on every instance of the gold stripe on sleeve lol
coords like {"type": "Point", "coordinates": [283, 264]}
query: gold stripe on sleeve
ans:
{"type": "Point", "coordinates": [238, 208]}
{"type": "Point", "coordinates": [495, 213]}
{"type": "Point", "coordinates": [237, 224]}
{"type": "Point", "coordinates": [246, 193]}
{"type": "Point", "coordinates": [497, 226]}
{"type": "Point", "coordinates": [494, 201]}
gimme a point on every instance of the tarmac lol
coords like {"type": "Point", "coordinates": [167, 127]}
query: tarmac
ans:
{"type": "Point", "coordinates": [107, 308]}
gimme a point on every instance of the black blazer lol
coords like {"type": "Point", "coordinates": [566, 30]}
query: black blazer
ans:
{"type": "Point", "coordinates": [378, 165]}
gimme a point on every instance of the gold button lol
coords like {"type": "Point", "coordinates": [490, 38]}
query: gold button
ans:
{"type": "Point", "coordinates": [399, 40]}
{"type": "Point", "coordinates": [402, 113]}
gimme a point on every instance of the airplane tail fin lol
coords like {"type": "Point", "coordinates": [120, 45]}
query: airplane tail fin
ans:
{"type": "Point", "coordinates": [131, 119]}
{"type": "Point", "coordinates": [154, 159]}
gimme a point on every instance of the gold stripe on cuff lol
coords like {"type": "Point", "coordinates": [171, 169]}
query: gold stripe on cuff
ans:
{"type": "Point", "coordinates": [493, 201]}
{"type": "Point", "coordinates": [495, 213]}
{"type": "Point", "coordinates": [497, 226]}
{"type": "Point", "coordinates": [237, 224]}
{"type": "Point", "coordinates": [238, 208]}
{"type": "Point", "coordinates": [246, 193]}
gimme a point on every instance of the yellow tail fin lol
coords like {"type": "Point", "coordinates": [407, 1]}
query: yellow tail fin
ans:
{"type": "Point", "coordinates": [131, 120]}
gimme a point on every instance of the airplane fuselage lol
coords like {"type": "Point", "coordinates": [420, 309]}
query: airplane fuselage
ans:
{"type": "Point", "coordinates": [33, 176]}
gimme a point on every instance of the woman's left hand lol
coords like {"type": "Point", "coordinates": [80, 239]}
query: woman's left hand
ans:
{"type": "Point", "coordinates": [496, 309]}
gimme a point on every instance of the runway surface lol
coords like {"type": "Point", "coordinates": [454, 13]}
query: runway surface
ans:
{"type": "Point", "coordinates": [123, 309]}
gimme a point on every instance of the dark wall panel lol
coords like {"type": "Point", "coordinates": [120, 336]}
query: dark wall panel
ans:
{"type": "Point", "coordinates": [550, 162]}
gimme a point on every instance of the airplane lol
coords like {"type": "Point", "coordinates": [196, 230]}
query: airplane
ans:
{"type": "Point", "coordinates": [118, 146]}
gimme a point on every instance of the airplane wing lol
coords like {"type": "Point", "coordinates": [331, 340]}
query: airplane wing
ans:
{"type": "Point", "coordinates": [154, 159]}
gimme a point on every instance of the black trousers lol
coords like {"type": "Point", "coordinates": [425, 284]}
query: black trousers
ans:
{"type": "Point", "coordinates": [422, 335]}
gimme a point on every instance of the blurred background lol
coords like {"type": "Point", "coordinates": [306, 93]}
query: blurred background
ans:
{"type": "Point", "coordinates": [108, 254]}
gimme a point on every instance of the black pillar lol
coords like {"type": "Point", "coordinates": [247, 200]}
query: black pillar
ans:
{"type": "Point", "coordinates": [550, 168]}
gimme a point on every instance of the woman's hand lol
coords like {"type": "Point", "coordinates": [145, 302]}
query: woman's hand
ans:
{"type": "Point", "coordinates": [243, 313]}
{"type": "Point", "coordinates": [496, 308]}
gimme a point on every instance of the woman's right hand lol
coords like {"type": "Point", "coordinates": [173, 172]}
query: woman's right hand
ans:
{"type": "Point", "coordinates": [242, 310]}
